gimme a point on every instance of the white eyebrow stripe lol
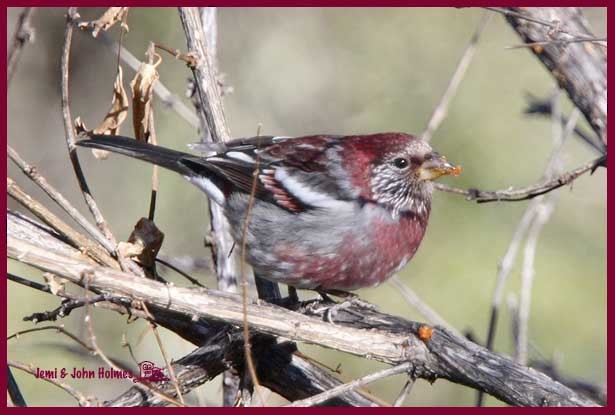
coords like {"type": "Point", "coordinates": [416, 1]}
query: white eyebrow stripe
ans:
{"type": "Point", "coordinates": [304, 193]}
{"type": "Point", "coordinates": [238, 155]}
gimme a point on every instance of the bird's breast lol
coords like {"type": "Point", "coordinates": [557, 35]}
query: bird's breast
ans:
{"type": "Point", "coordinates": [361, 255]}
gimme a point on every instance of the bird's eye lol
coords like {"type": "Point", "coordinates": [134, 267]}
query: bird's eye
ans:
{"type": "Point", "coordinates": [400, 163]}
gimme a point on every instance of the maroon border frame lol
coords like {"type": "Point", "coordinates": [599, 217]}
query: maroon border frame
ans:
{"type": "Point", "coordinates": [268, 3]}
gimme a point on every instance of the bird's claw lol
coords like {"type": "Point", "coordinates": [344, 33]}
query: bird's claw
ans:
{"type": "Point", "coordinates": [349, 300]}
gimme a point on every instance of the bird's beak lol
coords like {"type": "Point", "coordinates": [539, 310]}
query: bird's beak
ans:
{"type": "Point", "coordinates": [436, 166]}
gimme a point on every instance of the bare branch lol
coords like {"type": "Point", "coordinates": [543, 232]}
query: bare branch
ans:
{"type": "Point", "coordinates": [543, 212]}
{"type": "Point", "coordinates": [70, 131]}
{"type": "Point", "coordinates": [167, 362]}
{"type": "Point", "coordinates": [59, 329]}
{"type": "Point", "coordinates": [395, 341]}
{"type": "Point", "coordinates": [24, 33]}
{"type": "Point", "coordinates": [210, 106]}
{"type": "Point", "coordinates": [524, 193]}
{"type": "Point", "coordinates": [321, 397]}
{"type": "Point", "coordinates": [36, 177]}
{"type": "Point", "coordinates": [544, 107]}
{"type": "Point", "coordinates": [78, 241]}
{"type": "Point", "coordinates": [67, 306]}
{"type": "Point", "coordinates": [227, 267]}
{"type": "Point", "coordinates": [530, 222]}
{"type": "Point", "coordinates": [404, 392]}
{"type": "Point", "coordinates": [442, 108]}
{"type": "Point", "coordinates": [415, 301]}
{"type": "Point", "coordinates": [168, 99]}
{"type": "Point", "coordinates": [598, 41]}
{"type": "Point", "coordinates": [277, 366]}
{"type": "Point", "coordinates": [15, 395]}
{"type": "Point", "coordinates": [595, 392]}
{"type": "Point", "coordinates": [578, 68]}
{"type": "Point", "coordinates": [554, 25]}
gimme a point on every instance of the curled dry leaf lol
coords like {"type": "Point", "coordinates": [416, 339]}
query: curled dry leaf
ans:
{"type": "Point", "coordinates": [142, 87]}
{"type": "Point", "coordinates": [114, 118]}
{"type": "Point", "coordinates": [129, 250]}
{"type": "Point", "coordinates": [110, 17]}
{"type": "Point", "coordinates": [144, 243]}
{"type": "Point", "coordinates": [54, 283]}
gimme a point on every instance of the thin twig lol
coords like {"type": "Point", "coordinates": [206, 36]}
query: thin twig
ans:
{"type": "Point", "coordinates": [244, 287]}
{"type": "Point", "coordinates": [99, 352]}
{"type": "Point", "coordinates": [80, 397]}
{"type": "Point", "coordinates": [69, 128]}
{"type": "Point", "coordinates": [338, 390]}
{"type": "Point", "coordinates": [64, 309]}
{"type": "Point", "coordinates": [187, 263]}
{"type": "Point", "coordinates": [505, 267]}
{"type": "Point", "coordinates": [31, 284]}
{"type": "Point", "coordinates": [543, 107]}
{"type": "Point", "coordinates": [579, 69]}
{"type": "Point", "coordinates": [121, 307]}
{"type": "Point", "coordinates": [185, 57]}
{"type": "Point", "coordinates": [337, 370]}
{"type": "Point", "coordinates": [168, 99]}
{"type": "Point", "coordinates": [554, 26]}
{"type": "Point", "coordinates": [152, 139]}
{"type": "Point", "coordinates": [69, 131]}
{"type": "Point", "coordinates": [214, 121]}
{"type": "Point", "coordinates": [442, 108]}
{"type": "Point", "coordinates": [598, 41]}
{"type": "Point", "coordinates": [524, 193]}
{"type": "Point", "coordinates": [593, 391]}
{"type": "Point", "coordinates": [209, 105]}
{"type": "Point", "coordinates": [79, 241]}
{"type": "Point", "coordinates": [13, 390]}
{"type": "Point", "coordinates": [403, 395]}
{"type": "Point", "coordinates": [165, 357]}
{"type": "Point", "coordinates": [59, 329]}
{"type": "Point", "coordinates": [543, 213]}
{"type": "Point", "coordinates": [56, 196]}
{"type": "Point", "coordinates": [544, 209]}
{"type": "Point", "coordinates": [529, 217]}
{"type": "Point", "coordinates": [24, 33]}
{"type": "Point", "coordinates": [415, 301]}
{"type": "Point", "coordinates": [180, 272]}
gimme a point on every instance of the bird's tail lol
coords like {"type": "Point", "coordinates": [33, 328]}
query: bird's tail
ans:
{"type": "Point", "coordinates": [164, 157]}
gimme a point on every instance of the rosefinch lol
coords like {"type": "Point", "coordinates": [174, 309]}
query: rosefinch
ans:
{"type": "Point", "coordinates": [330, 212]}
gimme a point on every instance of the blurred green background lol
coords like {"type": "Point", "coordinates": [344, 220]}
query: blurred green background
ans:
{"type": "Point", "coordinates": [342, 71]}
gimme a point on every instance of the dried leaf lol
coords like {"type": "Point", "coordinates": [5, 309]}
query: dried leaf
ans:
{"type": "Point", "coordinates": [114, 118]}
{"type": "Point", "coordinates": [110, 17]}
{"type": "Point", "coordinates": [119, 108]}
{"type": "Point", "coordinates": [55, 283]}
{"type": "Point", "coordinates": [142, 87]}
{"type": "Point", "coordinates": [144, 242]}
{"type": "Point", "coordinates": [129, 250]}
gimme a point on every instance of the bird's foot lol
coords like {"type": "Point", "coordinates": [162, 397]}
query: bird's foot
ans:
{"type": "Point", "coordinates": [292, 295]}
{"type": "Point", "coordinates": [347, 297]}
{"type": "Point", "coordinates": [349, 300]}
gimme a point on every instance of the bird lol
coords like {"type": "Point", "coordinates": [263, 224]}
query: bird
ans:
{"type": "Point", "coordinates": [329, 213]}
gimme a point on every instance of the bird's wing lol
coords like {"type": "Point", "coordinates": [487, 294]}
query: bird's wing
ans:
{"type": "Point", "coordinates": [298, 174]}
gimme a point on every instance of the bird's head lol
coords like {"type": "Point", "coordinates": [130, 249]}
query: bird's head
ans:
{"type": "Point", "coordinates": [395, 170]}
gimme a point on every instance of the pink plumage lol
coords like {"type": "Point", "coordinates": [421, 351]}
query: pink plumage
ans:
{"type": "Point", "coordinates": [330, 212]}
